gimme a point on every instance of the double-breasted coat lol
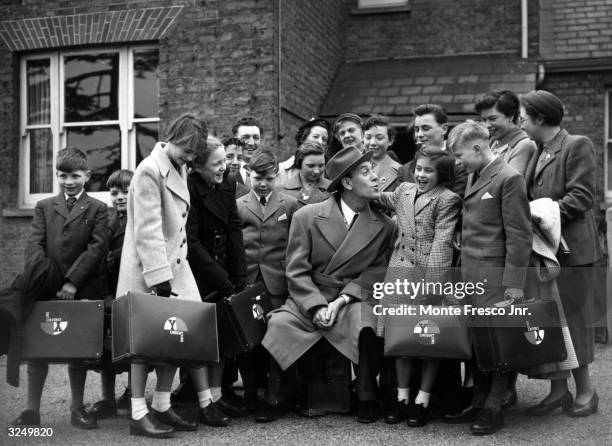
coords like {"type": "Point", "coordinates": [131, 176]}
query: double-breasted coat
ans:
{"type": "Point", "coordinates": [326, 259]}
{"type": "Point", "coordinates": [424, 247]}
{"type": "Point", "coordinates": [265, 237]}
{"type": "Point", "coordinates": [214, 235]}
{"type": "Point", "coordinates": [155, 243]}
{"type": "Point", "coordinates": [496, 231]}
{"type": "Point", "coordinates": [563, 170]}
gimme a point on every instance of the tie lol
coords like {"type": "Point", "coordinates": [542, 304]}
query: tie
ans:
{"type": "Point", "coordinates": [353, 221]}
{"type": "Point", "coordinates": [262, 200]}
{"type": "Point", "coordinates": [70, 203]}
{"type": "Point", "coordinates": [475, 177]}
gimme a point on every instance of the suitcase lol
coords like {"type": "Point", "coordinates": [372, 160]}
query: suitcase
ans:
{"type": "Point", "coordinates": [161, 329]}
{"type": "Point", "coordinates": [242, 319]}
{"type": "Point", "coordinates": [64, 331]}
{"type": "Point", "coordinates": [506, 342]}
{"type": "Point", "coordinates": [430, 336]}
{"type": "Point", "coordinates": [326, 386]}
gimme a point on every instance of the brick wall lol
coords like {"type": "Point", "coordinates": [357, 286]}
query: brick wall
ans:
{"type": "Point", "coordinates": [584, 99]}
{"type": "Point", "coordinates": [312, 50]}
{"type": "Point", "coordinates": [440, 27]}
{"type": "Point", "coordinates": [576, 29]}
{"type": "Point", "coordinates": [218, 58]}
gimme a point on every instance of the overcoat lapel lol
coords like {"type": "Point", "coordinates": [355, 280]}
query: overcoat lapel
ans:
{"type": "Point", "coordinates": [175, 180]}
{"type": "Point", "coordinates": [331, 223]}
{"type": "Point", "coordinates": [363, 231]}
{"type": "Point", "coordinates": [425, 199]}
{"type": "Point", "coordinates": [253, 205]}
{"type": "Point", "coordinates": [485, 177]}
{"type": "Point", "coordinates": [386, 173]}
{"type": "Point", "coordinates": [554, 149]}
{"type": "Point", "coordinates": [81, 205]}
{"type": "Point", "coordinates": [272, 206]}
{"type": "Point", "coordinates": [59, 204]}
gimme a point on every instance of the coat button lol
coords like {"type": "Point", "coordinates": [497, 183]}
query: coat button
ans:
{"type": "Point", "coordinates": [184, 214]}
{"type": "Point", "coordinates": [403, 235]}
{"type": "Point", "coordinates": [540, 182]}
{"type": "Point", "coordinates": [178, 260]}
{"type": "Point", "coordinates": [184, 240]}
{"type": "Point", "coordinates": [401, 259]}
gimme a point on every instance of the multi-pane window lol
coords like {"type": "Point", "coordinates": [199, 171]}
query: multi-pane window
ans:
{"type": "Point", "coordinates": [103, 102]}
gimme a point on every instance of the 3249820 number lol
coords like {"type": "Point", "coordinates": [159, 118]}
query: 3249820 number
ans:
{"type": "Point", "coordinates": [31, 431]}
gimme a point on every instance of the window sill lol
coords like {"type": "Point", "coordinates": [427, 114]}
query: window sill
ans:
{"type": "Point", "coordinates": [18, 213]}
{"type": "Point", "coordinates": [380, 10]}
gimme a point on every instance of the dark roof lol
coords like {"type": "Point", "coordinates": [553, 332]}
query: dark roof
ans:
{"type": "Point", "coordinates": [571, 29]}
{"type": "Point", "coordinates": [395, 87]}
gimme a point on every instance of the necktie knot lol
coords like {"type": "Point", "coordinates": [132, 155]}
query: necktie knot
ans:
{"type": "Point", "coordinates": [70, 202]}
{"type": "Point", "coordinates": [262, 200]}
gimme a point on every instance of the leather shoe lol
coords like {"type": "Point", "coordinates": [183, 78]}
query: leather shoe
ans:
{"type": "Point", "coordinates": [510, 400]}
{"type": "Point", "coordinates": [81, 419]}
{"type": "Point", "coordinates": [368, 411]}
{"type": "Point", "coordinates": [266, 413]}
{"type": "Point", "coordinates": [397, 413]}
{"type": "Point", "coordinates": [542, 408]}
{"type": "Point", "coordinates": [233, 406]}
{"type": "Point", "coordinates": [103, 409]}
{"type": "Point", "coordinates": [418, 415]}
{"type": "Point", "coordinates": [213, 415]}
{"type": "Point", "coordinates": [487, 422]}
{"type": "Point", "coordinates": [583, 410]}
{"type": "Point", "coordinates": [467, 415]}
{"type": "Point", "coordinates": [171, 418]}
{"type": "Point", "coordinates": [148, 426]}
{"type": "Point", "coordinates": [27, 418]}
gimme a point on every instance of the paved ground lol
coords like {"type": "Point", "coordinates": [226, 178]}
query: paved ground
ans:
{"type": "Point", "coordinates": [293, 430]}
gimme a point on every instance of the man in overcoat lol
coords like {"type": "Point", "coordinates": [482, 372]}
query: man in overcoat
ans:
{"type": "Point", "coordinates": [336, 250]}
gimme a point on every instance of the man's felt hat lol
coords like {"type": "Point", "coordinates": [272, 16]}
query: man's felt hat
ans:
{"type": "Point", "coordinates": [342, 163]}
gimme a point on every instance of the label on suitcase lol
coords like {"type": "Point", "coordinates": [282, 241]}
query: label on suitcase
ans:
{"type": "Point", "coordinates": [162, 329]}
{"type": "Point", "coordinates": [242, 319]}
{"type": "Point", "coordinates": [430, 336]}
{"type": "Point", "coordinates": [517, 342]}
{"type": "Point", "coordinates": [64, 330]}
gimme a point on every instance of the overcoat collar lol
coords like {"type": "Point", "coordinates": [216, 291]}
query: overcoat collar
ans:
{"type": "Point", "coordinates": [80, 206]}
{"type": "Point", "coordinates": [425, 199]}
{"type": "Point", "coordinates": [294, 182]}
{"type": "Point", "coordinates": [206, 194]}
{"type": "Point", "coordinates": [176, 180]}
{"type": "Point", "coordinates": [346, 243]}
{"type": "Point", "coordinates": [252, 204]}
{"type": "Point", "coordinates": [553, 148]}
{"type": "Point", "coordinates": [486, 176]}
{"type": "Point", "coordinates": [387, 172]}
{"type": "Point", "coordinates": [510, 140]}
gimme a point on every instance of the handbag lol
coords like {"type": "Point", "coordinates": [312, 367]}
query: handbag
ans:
{"type": "Point", "coordinates": [427, 331]}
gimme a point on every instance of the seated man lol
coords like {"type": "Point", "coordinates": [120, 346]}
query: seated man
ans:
{"type": "Point", "coordinates": [332, 259]}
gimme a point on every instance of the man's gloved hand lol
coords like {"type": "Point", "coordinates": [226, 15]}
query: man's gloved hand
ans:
{"type": "Point", "coordinates": [163, 289]}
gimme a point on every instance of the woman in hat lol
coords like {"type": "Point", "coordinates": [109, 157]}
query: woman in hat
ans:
{"type": "Point", "coordinates": [427, 213]}
{"type": "Point", "coordinates": [562, 169]}
{"type": "Point", "coordinates": [307, 184]}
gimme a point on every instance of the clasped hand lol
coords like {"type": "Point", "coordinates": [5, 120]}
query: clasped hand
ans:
{"type": "Point", "coordinates": [326, 316]}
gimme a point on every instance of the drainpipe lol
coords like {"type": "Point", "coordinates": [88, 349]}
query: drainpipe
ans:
{"type": "Point", "coordinates": [279, 75]}
{"type": "Point", "coordinates": [524, 30]}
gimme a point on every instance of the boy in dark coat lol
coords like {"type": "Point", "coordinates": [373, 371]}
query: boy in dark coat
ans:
{"type": "Point", "coordinates": [70, 230]}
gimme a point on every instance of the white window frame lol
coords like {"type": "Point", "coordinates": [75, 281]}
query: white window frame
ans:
{"type": "Point", "coordinates": [125, 121]}
{"type": "Point", "coordinates": [607, 143]}
{"type": "Point", "coordinates": [365, 4]}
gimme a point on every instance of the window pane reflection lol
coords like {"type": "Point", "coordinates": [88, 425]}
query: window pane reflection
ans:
{"type": "Point", "coordinates": [145, 83]}
{"type": "Point", "coordinates": [39, 92]}
{"type": "Point", "coordinates": [103, 148]}
{"type": "Point", "coordinates": [146, 137]}
{"type": "Point", "coordinates": [41, 161]}
{"type": "Point", "coordinates": [91, 87]}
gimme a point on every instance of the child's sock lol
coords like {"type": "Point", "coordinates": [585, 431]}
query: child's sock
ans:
{"type": "Point", "coordinates": [216, 393]}
{"type": "Point", "coordinates": [161, 401]}
{"type": "Point", "coordinates": [402, 395]}
{"type": "Point", "coordinates": [77, 373]}
{"type": "Point", "coordinates": [205, 398]}
{"type": "Point", "coordinates": [422, 398]}
{"type": "Point", "coordinates": [139, 408]}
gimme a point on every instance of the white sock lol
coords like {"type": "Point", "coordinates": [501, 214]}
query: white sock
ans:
{"type": "Point", "coordinates": [216, 393]}
{"type": "Point", "coordinates": [205, 397]}
{"type": "Point", "coordinates": [139, 408]}
{"type": "Point", "coordinates": [161, 401]}
{"type": "Point", "coordinates": [402, 395]}
{"type": "Point", "coordinates": [422, 398]}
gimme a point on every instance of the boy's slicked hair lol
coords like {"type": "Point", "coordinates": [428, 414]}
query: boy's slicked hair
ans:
{"type": "Point", "coordinates": [436, 110]}
{"type": "Point", "coordinates": [263, 161]}
{"type": "Point", "coordinates": [188, 131]}
{"type": "Point", "coordinates": [71, 159]}
{"type": "Point", "coordinates": [231, 141]}
{"type": "Point", "coordinates": [120, 179]}
{"type": "Point", "coordinates": [247, 121]}
{"type": "Point", "coordinates": [380, 121]}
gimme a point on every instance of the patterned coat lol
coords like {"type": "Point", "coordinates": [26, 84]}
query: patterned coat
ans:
{"type": "Point", "coordinates": [423, 249]}
{"type": "Point", "coordinates": [326, 259]}
{"type": "Point", "coordinates": [155, 244]}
